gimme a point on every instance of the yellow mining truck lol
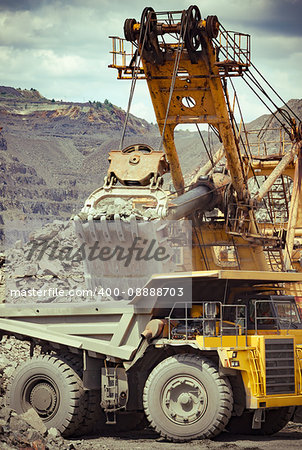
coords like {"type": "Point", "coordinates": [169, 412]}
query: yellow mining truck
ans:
{"type": "Point", "coordinates": [200, 332]}
{"type": "Point", "coordinates": [231, 358]}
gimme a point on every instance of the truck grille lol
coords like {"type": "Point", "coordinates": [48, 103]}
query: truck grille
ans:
{"type": "Point", "coordinates": [280, 366]}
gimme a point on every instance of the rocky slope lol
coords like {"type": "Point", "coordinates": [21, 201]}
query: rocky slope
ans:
{"type": "Point", "coordinates": [53, 154]}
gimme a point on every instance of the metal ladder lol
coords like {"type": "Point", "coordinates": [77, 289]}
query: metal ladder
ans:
{"type": "Point", "coordinates": [279, 194]}
{"type": "Point", "coordinates": [275, 258]}
{"type": "Point", "coordinates": [299, 360]}
{"type": "Point", "coordinates": [110, 393]}
{"type": "Point", "coordinates": [258, 381]}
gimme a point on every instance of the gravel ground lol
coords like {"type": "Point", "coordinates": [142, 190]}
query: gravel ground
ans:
{"type": "Point", "coordinates": [289, 438]}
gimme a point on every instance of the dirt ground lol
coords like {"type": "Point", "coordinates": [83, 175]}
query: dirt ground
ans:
{"type": "Point", "coordinates": [290, 438]}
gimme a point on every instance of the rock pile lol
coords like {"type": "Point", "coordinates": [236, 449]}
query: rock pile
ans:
{"type": "Point", "coordinates": [124, 208]}
{"type": "Point", "coordinates": [45, 266]}
{"type": "Point", "coordinates": [12, 352]}
{"type": "Point", "coordinates": [52, 265]}
{"type": "Point", "coordinates": [29, 432]}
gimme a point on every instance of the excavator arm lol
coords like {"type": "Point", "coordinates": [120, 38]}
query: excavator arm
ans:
{"type": "Point", "coordinates": [188, 62]}
{"type": "Point", "coordinates": [185, 81]}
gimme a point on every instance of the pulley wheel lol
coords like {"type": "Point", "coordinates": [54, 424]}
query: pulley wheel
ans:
{"type": "Point", "coordinates": [148, 36]}
{"type": "Point", "coordinates": [128, 30]}
{"type": "Point", "coordinates": [149, 21]}
{"type": "Point", "coordinates": [192, 36]}
{"type": "Point", "coordinates": [212, 27]}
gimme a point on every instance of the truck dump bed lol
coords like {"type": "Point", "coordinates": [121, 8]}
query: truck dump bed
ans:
{"type": "Point", "coordinates": [113, 330]}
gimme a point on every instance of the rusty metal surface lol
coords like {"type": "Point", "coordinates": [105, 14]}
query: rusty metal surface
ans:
{"type": "Point", "coordinates": [137, 164]}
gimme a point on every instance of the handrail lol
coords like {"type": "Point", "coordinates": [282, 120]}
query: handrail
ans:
{"type": "Point", "coordinates": [211, 323]}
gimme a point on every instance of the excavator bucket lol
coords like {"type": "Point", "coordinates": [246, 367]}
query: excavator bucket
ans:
{"type": "Point", "coordinates": [121, 228]}
{"type": "Point", "coordinates": [120, 256]}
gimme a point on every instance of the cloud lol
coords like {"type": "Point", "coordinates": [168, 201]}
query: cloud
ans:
{"type": "Point", "coordinates": [283, 18]}
{"type": "Point", "coordinates": [20, 5]}
{"type": "Point", "coordinates": [61, 47]}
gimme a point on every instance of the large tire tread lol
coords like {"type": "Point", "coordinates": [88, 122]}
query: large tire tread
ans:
{"type": "Point", "coordinates": [224, 388]}
{"type": "Point", "coordinates": [76, 406]}
{"type": "Point", "coordinates": [93, 420]}
{"type": "Point", "coordinates": [74, 363]}
{"type": "Point", "coordinates": [91, 411]}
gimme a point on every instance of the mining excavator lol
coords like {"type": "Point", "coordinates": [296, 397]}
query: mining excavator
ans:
{"type": "Point", "coordinates": [196, 327]}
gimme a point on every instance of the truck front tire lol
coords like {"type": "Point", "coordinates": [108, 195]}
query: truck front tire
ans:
{"type": "Point", "coordinates": [185, 398]}
{"type": "Point", "coordinates": [50, 386]}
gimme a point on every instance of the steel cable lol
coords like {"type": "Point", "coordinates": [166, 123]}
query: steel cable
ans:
{"type": "Point", "coordinates": [180, 46]}
{"type": "Point", "coordinates": [134, 79]}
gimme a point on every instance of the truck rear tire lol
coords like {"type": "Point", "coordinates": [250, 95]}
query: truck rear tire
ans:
{"type": "Point", "coordinates": [93, 418]}
{"type": "Point", "coordinates": [275, 420]}
{"type": "Point", "coordinates": [50, 386]}
{"type": "Point", "coordinates": [185, 398]}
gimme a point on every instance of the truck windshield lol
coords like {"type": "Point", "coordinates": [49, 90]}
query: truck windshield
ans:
{"type": "Point", "coordinates": [273, 313]}
{"type": "Point", "coordinates": [287, 310]}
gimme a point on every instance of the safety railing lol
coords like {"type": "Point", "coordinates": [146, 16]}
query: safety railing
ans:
{"type": "Point", "coordinates": [233, 50]}
{"type": "Point", "coordinates": [264, 144]}
{"type": "Point", "coordinates": [215, 320]}
{"type": "Point", "coordinates": [123, 59]}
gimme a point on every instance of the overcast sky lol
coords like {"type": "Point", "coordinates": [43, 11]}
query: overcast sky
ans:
{"type": "Point", "coordinates": [62, 48]}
